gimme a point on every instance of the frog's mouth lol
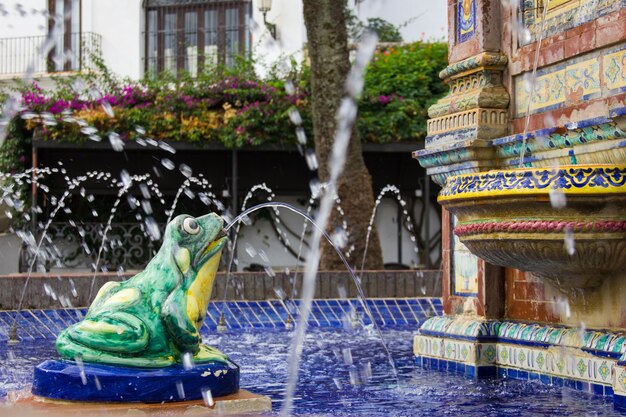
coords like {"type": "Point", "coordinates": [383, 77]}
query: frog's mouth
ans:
{"type": "Point", "coordinates": [214, 246]}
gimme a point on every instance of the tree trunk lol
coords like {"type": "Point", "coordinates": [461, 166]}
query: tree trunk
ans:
{"type": "Point", "coordinates": [328, 51]}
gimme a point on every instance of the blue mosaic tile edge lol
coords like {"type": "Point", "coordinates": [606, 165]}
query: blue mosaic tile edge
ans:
{"type": "Point", "coordinates": [512, 373]}
{"type": "Point", "coordinates": [386, 312]}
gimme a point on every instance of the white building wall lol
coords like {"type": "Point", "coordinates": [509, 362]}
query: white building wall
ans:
{"type": "Point", "coordinates": [290, 34]}
{"type": "Point", "coordinates": [15, 23]}
{"type": "Point", "coordinates": [23, 18]}
{"type": "Point", "coordinates": [417, 19]}
{"type": "Point", "coordinates": [120, 23]}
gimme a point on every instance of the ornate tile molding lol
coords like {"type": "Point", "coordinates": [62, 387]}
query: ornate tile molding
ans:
{"type": "Point", "coordinates": [461, 123]}
{"type": "Point", "coordinates": [590, 360]}
{"type": "Point", "coordinates": [601, 73]}
{"type": "Point", "coordinates": [476, 105]}
{"type": "Point", "coordinates": [563, 15]}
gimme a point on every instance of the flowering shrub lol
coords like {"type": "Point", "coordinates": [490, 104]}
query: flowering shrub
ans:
{"type": "Point", "coordinates": [234, 108]}
{"type": "Point", "coordinates": [401, 83]}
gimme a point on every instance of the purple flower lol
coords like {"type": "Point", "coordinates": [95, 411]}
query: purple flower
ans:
{"type": "Point", "coordinates": [384, 100]}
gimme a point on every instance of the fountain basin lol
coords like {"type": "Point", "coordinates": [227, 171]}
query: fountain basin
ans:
{"type": "Point", "coordinates": [565, 224]}
{"type": "Point", "coordinates": [72, 381]}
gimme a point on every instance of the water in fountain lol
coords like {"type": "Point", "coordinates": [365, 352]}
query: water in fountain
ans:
{"type": "Point", "coordinates": [317, 227]}
{"type": "Point", "coordinates": [245, 220]}
{"type": "Point", "coordinates": [151, 226]}
{"type": "Point", "coordinates": [388, 189]}
{"type": "Point", "coordinates": [346, 117]}
{"type": "Point", "coordinates": [60, 203]}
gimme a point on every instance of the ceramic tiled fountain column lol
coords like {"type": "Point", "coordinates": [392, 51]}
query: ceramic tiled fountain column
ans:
{"type": "Point", "coordinates": [531, 253]}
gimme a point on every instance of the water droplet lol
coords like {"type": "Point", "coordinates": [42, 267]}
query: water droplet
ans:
{"type": "Point", "coordinates": [152, 228]}
{"type": "Point", "coordinates": [337, 383]}
{"type": "Point", "coordinates": [89, 130]}
{"type": "Point", "coordinates": [189, 193]}
{"type": "Point", "coordinates": [126, 179]}
{"type": "Point", "coordinates": [207, 397]}
{"type": "Point", "coordinates": [269, 271]}
{"type": "Point", "coordinates": [263, 256]}
{"type": "Point", "coordinates": [185, 170]}
{"type": "Point", "coordinates": [106, 106]}
{"type": "Point", "coordinates": [167, 147]}
{"type": "Point", "coordinates": [557, 198]}
{"type": "Point", "coordinates": [339, 237]}
{"type": "Point", "coordinates": [294, 116]}
{"type": "Point", "coordinates": [570, 244]}
{"type": "Point", "coordinates": [301, 136]}
{"type": "Point", "coordinates": [116, 142]}
{"type": "Point", "coordinates": [354, 377]}
{"type": "Point", "coordinates": [250, 250]}
{"type": "Point", "coordinates": [188, 360]}
{"type": "Point", "coordinates": [346, 354]}
{"type": "Point", "coordinates": [180, 389]}
{"type": "Point", "coordinates": [168, 164]}
{"type": "Point", "coordinates": [145, 192]}
{"type": "Point", "coordinates": [289, 87]}
{"type": "Point", "coordinates": [146, 206]}
{"type": "Point", "coordinates": [280, 293]}
{"type": "Point", "coordinates": [311, 159]}
{"type": "Point", "coordinates": [315, 187]}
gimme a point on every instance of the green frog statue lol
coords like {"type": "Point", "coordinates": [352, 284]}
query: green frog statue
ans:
{"type": "Point", "coordinates": [153, 319]}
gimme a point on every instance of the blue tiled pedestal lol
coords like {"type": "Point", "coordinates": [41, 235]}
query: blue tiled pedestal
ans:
{"type": "Point", "coordinates": [68, 380]}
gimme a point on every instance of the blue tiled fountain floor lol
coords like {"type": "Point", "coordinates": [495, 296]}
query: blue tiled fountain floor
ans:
{"type": "Point", "coordinates": [343, 371]}
{"type": "Point", "coordinates": [391, 312]}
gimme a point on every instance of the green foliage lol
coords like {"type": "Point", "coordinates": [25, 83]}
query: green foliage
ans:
{"type": "Point", "coordinates": [229, 106]}
{"type": "Point", "coordinates": [401, 83]}
{"type": "Point", "coordinates": [386, 31]}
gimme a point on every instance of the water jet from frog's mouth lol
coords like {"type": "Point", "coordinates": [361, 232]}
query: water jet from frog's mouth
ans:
{"type": "Point", "coordinates": [355, 279]}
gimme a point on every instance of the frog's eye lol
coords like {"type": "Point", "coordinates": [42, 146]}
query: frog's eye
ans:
{"type": "Point", "coordinates": [190, 225]}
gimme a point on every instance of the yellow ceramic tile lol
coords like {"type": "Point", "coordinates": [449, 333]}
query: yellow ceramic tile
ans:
{"type": "Point", "coordinates": [614, 69]}
{"type": "Point", "coordinates": [583, 77]}
{"type": "Point", "coordinates": [549, 90]}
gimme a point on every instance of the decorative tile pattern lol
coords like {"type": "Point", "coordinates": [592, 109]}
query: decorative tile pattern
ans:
{"type": "Point", "coordinates": [588, 361]}
{"type": "Point", "coordinates": [465, 267]}
{"type": "Point", "coordinates": [562, 15]}
{"type": "Point", "coordinates": [615, 70]}
{"type": "Point", "coordinates": [575, 80]}
{"type": "Point", "coordinates": [466, 20]}
{"type": "Point", "coordinates": [462, 327]}
{"type": "Point", "coordinates": [572, 180]}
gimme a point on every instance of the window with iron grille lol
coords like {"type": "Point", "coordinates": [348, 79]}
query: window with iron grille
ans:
{"type": "Point", "coordinates": [189, 36]}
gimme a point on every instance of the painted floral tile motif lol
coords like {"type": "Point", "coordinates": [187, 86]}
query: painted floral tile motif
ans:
{"type": "Point", "coordinates": [466, 20]}
{"type": "Point", "coordinates": [615, 70]}
{"type": "Point", "coordinates": [599, 74]}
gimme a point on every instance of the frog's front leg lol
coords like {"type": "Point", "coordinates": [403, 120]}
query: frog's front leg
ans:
{"type": "Point", "coordinates": [110, 331]}
{"type": "Point", "coordinates": [184, 333]}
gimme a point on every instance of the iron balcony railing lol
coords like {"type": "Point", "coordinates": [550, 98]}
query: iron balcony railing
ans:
{"type": "Point", "coordinates": [41, 54]}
